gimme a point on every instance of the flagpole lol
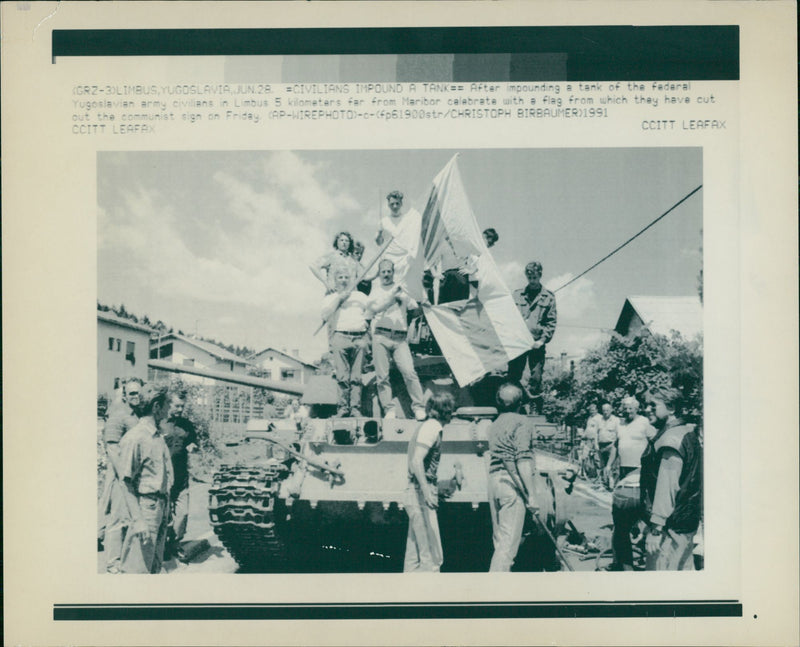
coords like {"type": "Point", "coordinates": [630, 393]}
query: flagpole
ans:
{"type": "Point", "coordinates": [358, 279]}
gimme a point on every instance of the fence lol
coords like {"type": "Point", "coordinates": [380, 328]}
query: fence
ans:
{"type": "Point", "coordinates": [228, 403]}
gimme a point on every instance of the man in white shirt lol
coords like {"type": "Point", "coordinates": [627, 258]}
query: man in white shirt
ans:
{"type": "Point", "coordinates": [405, 227]}
{"type": "Point", "coordinates": [346, 313]}
{"type": "Point", "coordinates": [390, 340]}
{"type": "Point", "coordinates": [633, 434]}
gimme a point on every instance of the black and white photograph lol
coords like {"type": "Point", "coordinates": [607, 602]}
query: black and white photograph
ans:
{"type": "Point", "coordinates": [303, 317]}
{"type": "Point", "coordinates": [465, 323]}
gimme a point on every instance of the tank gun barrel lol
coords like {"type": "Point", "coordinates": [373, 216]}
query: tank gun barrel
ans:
{"type": "Point", "coordinates": [222, 376]}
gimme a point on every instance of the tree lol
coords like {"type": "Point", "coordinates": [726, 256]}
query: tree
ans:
{"type": "Point", "coordinates": [625, 366]}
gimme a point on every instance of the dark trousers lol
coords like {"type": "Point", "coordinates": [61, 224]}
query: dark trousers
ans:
{"type": "Point", "coordinates": [535, 358]}
{"type": "Point", "coordinates": [625, 511]}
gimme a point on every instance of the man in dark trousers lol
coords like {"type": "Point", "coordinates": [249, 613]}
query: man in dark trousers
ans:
{"type": "Point", "coordinates": [538, 308]}
{"type": "Point", "coordinates": [179, 434]}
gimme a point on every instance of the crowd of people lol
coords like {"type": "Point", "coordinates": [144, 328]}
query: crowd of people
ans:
{"type": "Point", "coordinates": [144, 507]}
{"type": "Point", "coordinates": [367, 309]}
{"type": "Point", "coordinates": [657, 499]}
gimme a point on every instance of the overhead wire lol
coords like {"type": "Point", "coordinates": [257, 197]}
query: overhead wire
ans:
{"type": "Point", "coordinates": [631, 239]}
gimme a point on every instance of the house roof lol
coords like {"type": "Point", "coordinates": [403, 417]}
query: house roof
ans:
{"type": "Point", "coordinates": [278, 352]}
{"type": "Point", "coordinates": [110, 317]}
{"type": "Point", "coordinates": [207, 346]}
{"type": "Point", "coordinates": [662, 315]}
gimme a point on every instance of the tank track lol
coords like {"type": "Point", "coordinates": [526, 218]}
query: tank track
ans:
{"type": "Point", "coordinates": [241, 507]}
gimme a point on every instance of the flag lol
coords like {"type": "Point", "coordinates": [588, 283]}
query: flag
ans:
{"type": "Point", "coordinates": [479, 334]}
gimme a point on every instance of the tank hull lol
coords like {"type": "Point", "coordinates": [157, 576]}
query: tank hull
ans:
{"type": "Point", "coordinates": [331, 499]}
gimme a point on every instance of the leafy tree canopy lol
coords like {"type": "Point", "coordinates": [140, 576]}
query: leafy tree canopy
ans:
{"type": "Point", "coordinates": [625, 366]}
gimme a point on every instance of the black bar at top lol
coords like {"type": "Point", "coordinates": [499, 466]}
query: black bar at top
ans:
{"type": "Point", "coordinates": [671, 52]}
{"type": "Point", "coordinates": [397, 611]}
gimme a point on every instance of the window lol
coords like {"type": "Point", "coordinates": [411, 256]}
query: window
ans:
{"type": "Point", "coordinates": [119, 345]}
{"type": "Point", "coordinates": [129, 352]}
{"type": "Point", "coordinates": [161, 351]}
{"type": "Point", "coordinates": [110, 343]}
{"type": "Point", "coordinates": [288, 374]}
{"type": "Point", "coordinates": [267, 375]}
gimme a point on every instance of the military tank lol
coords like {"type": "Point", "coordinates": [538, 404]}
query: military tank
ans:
{"type": "Point", "coordinates": [328, 496]}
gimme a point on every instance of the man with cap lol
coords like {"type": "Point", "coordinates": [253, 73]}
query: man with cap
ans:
{"type": "Point", "coordinates": [511, 465]}
{"type": "Point", "coordinates": [537, 305]}
{"type": "Point", "coordinates": [146, 471]}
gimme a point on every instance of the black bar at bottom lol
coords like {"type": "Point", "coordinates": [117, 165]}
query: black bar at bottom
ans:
{"type": "Point", "coordinates": [680, 609]}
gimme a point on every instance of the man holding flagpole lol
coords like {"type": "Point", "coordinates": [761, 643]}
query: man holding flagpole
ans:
{"type": "Point", "coordinates": [405, 226]}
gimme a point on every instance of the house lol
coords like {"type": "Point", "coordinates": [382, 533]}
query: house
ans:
{"type": "Point", "coordinates": [661, 315]}
{"type": "Point", "coordinates": [122, 350]}
{"type": "Point", "coordinates": [188, 351]}
{"type": "Point", "coordinates": [281, 366]}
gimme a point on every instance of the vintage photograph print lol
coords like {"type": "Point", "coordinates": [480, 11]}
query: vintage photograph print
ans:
{"type": "Point", "coordinates": [382, 361]}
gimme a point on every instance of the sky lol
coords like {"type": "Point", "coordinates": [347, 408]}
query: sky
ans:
{"type": "Point", "coordinates": [219, 243]}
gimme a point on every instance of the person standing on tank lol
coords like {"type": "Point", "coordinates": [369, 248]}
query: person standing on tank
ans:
{"type": "Point", "coordinates": [346, 312]}
{"type": "Point", "coordinates": [511, 469]}
{"type": "Point", "coordinates": [342, 256]}
{"type": "Point", "coordinates": [365, 284]}
{"type": "Point", "coordinates": [391, 303]}
{"type": "Point", "coordinates": [405, 226]}
{"type": "Point", "coordinates": [537, 305]}
{"type": "Point", "coordinates": [424, 544]}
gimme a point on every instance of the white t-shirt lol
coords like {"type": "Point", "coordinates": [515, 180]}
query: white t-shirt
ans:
{"type": "Point", "coordinates": [632, 440]}
{"type": "Point", "coordinates": [407, 230]}
{"type": "Point", "coordinates": [350, 317]}
{"type": "Point", "coordinates": [394, 317]}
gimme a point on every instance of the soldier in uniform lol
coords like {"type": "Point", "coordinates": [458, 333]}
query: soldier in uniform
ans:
{"type": "Point", "coordinates": [146, 471]}
{"type": "Point", "coordinates": [537, 305]}
{"type": "Point", "coordinates": [122, 417]}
